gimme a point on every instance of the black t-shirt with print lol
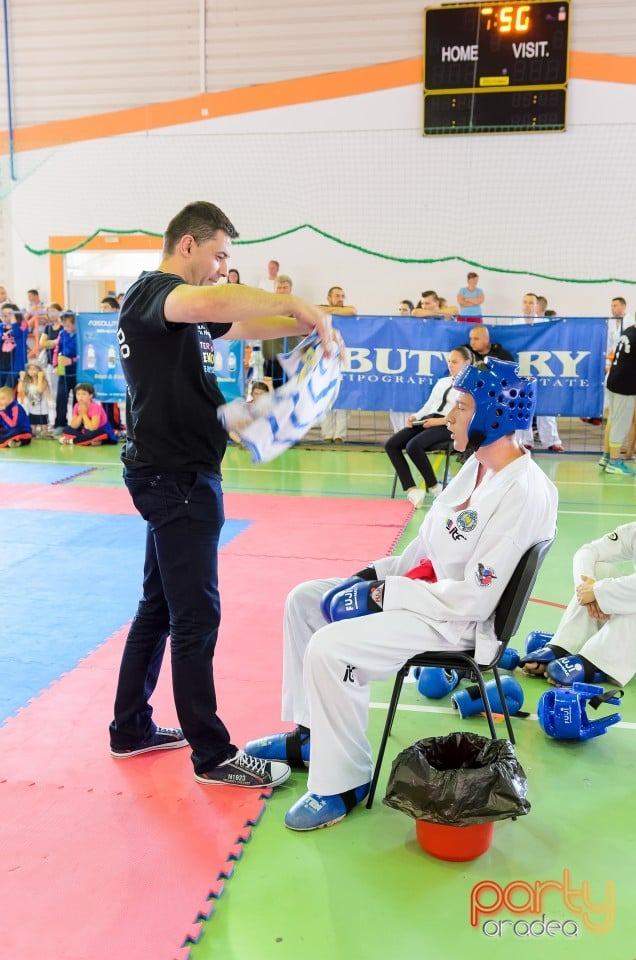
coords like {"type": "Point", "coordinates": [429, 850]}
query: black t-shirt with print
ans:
{"type": "Point", "coordinates": [172, 395]}
{"type": "Point", "coordinates": [622, 374]}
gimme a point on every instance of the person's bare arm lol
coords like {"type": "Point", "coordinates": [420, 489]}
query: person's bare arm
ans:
{"type": "Point", "coordinates": [254, 314]}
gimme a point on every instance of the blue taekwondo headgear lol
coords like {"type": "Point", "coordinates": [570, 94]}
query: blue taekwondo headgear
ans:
{"type": "Point", "coordinates": [504, 401]}
{"type": "Point", "coordinates": [562, 712]}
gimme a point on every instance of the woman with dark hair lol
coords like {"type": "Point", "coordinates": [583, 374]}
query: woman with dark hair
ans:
{"type": "Point", "coordinates": [233, 276]}
{"type": "Point", "coordinates": [426, 430]}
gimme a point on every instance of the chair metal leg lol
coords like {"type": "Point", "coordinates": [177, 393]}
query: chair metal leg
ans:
{"type": "Point", "coordinates": [388, 724]}
{"type": "Point", "coordinates": [504, 705]}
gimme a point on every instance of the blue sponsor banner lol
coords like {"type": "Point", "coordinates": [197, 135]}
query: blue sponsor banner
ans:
{"type": "Point", "coordinates": [98, 356]}
{"type": "Point", "coordinates": [228, 368]}
{"type": "Point", "coordinates": [393, 362]}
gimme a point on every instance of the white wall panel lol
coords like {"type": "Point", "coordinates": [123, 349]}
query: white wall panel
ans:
{"type": "Point", "coordinates": [74, 58]}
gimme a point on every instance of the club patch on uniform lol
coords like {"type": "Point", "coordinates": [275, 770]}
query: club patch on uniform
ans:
{"type": "Point", "coordinates": [467, 520]}
{"type": "Point", "coordinates": [612, 536]}
{"type": "Point", "coordinates": [484, 575]}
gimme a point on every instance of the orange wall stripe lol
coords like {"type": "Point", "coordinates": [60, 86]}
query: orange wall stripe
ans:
{"type": "Point", "coordinates": [602, 67]}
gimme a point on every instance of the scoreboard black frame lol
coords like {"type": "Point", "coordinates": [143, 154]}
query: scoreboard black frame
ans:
{"type": "Point", "coordinates": [496, 67]}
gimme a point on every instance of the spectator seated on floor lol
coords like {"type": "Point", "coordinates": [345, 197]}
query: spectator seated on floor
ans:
{"type": "Point", "coordinates": [89, 426]}
{"type": "Point", "coordinates": [15, 429]}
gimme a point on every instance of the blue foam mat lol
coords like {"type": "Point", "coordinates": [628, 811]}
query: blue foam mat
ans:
{"type": "Point", "coordinates": [27, 472]}
{"type": "Point", "coordinates": [70, 580]}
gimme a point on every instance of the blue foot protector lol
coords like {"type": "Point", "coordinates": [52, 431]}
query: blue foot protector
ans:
{"type": "Point", "coordinates": [544, 655]}
{"type": "Point", "coordinates": [292, 748]}
{"type": "Point", "coordinates": [313, 811]}
{"type": "Point", "coordinates": [568, 670]}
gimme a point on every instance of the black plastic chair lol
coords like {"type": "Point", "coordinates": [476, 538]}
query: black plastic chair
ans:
{"type": "Point", "coordinates": [508, 616]}
{"type": "Point", "coordinates": [447, 449]}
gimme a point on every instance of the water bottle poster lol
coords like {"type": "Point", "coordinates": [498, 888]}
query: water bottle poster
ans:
{"type": "Point", "coordinates": [98, 357]}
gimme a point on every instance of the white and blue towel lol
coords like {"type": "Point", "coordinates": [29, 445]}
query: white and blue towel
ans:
{"type": "Point", "coordinates": [275, 421]}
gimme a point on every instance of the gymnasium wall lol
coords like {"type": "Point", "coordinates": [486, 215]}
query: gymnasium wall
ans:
{"type": "Point", "coordinates": [288, 115]}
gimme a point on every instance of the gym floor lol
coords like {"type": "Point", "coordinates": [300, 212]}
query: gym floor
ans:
{"type": "Point", "coordinates": [365, 888]}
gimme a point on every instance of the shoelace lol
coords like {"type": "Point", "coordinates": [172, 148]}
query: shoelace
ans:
{"type": "Point", "coordinates": [250, 763]}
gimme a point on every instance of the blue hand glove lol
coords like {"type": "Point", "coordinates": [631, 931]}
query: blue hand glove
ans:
{"type": "Point", "coordinates": [469, 702]}
{"type": "Point", "coordinates": [358, 600]}
{"type": "Point", "coordinates": [436, 682]}
{"type": "Point", "coordinates": [363, 575]}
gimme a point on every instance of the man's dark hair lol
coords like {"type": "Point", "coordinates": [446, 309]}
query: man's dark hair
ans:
{"type": "Point", "coordinates": [199, 219]}
{"type": "Point", "coordinates": [111, 301]}
{"type": "Point", "coordinates": [620, 300]}
{"type": "Point", "coordinates": [430, 293]}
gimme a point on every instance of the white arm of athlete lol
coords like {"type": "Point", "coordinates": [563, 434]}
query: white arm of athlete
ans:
{"type": "Point", "coordinates": [614, 594]}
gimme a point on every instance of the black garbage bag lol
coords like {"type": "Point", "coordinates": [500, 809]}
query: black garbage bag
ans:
{"type": "Point", "coordinates": [460, 779]}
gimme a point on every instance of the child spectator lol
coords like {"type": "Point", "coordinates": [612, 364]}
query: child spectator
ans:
{"type": "Point", "coordinates": [13, 348]}
{"type": "Point", "coordinates": [89, 426]}
{"type": "Point", "coordinates": [15, 429]}
{"type": "Point", "coordinates": [33, 395]}
{"type": "Point", "coordinates": [65, 358]}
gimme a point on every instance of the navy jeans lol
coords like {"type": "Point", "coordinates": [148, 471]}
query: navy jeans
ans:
{"type": "Point", "coordinates": [184, 517]}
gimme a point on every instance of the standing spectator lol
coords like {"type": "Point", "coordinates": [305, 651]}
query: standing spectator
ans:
{"type": "Point", "coordinates": [233, 276]}
{"type": "Point", "coordinates": [470, 298]}
{"type": "Point", "coordinates": [398, 418]}
{"type": "Point", "coordinates": [269, 282]}
{"type": "Point", "coordinates": [546, 426]}
{"type": "Point", "coordinates": [271, 348]}
{"type": "Point", "coordinates": [621, 389]}
{"type": "Point", "coordinates": [109, 305]}
{"type": "Point", "coordinates": [432, 305]}
{"type": "Point", "coordinates": [4, 296]}
{"type": "Point", "coordinates": [35, 316]}
{"type": "Point", "coordinates": [13, 349]}
{"type": "Point", "coordinates": [333, 427]}
{"type": "Point", "coordinates": [48, 344]}
{"type": "Point", "coordinates": [66, 358]}
{"type": "Point", "coordinates": [405, 308]}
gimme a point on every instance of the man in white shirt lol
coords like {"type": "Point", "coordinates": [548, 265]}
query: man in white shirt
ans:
{"type": "Point", "coordinates": [269, 282]}
{"type": "Point", "coordinates": [546, 426]}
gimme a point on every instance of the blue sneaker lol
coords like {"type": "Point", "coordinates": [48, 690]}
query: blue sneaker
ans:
{"type": "Point", "coordinates": [291, 748]}
{"type": "Point", "coordinates": [313, 811]}
{"type": "Point", "coordinates": [620, 467]}
{"type": "Point", "coordinates": [164, 738]}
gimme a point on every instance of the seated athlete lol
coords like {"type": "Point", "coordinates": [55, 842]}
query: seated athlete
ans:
{"type": "Point", "coordinates": [15, 426]}
{"type": "Point", "coordinates": [597, 631]}
{"type": "Point", "coordinates": [498, 506]}
{"type": "Point", "coordinates": [89, 426]}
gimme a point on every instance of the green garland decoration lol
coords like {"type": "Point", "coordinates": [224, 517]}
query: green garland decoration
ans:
{"type": "Point", "coordinates": [351, 246]}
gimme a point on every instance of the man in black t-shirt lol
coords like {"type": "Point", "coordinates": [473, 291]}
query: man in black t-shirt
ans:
{"type": "Point", "coordinates": [621, 390]}
{"type": "Point", "coordinates": [168, 323]}
{"type": "Point", "coordinates": [482, 346]}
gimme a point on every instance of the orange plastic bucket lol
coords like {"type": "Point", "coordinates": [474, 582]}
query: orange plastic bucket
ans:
{"type": "Point", "coordinates": [449, 842]}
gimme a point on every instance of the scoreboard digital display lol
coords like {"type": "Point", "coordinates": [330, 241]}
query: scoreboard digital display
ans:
{"type": "Point", "coordinates": [482, 53]}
